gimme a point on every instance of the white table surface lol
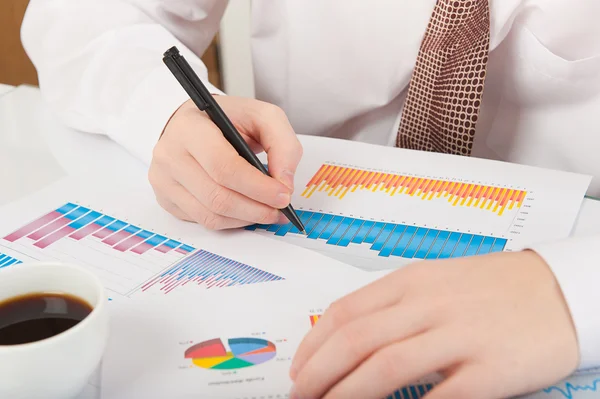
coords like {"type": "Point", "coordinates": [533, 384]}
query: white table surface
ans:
{"type": "Point", "coordinates": [37, 150]}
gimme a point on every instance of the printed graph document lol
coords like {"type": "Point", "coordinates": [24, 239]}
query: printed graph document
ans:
{"type": "Point", "coordinates": [237, 344]}
{"type": "Point", "coordinates": [377, 207]}
{"type": "Point", "coordinates": [117, 230]}
{"type": "Point", "coordinates": [222, 345]}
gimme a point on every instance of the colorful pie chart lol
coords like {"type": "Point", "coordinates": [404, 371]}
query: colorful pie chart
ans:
{"type": "Point", "coordinates": [243, 352]}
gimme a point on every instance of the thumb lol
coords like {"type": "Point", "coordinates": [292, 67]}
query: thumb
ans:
{"type": "Point", "coordinates": [275, 134]}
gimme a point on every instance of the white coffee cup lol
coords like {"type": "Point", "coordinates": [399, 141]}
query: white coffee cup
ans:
{"type": "Point", "coordinates": [58, 367]}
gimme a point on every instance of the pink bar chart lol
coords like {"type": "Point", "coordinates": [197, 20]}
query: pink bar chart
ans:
{"type": "Point", "coordinates": [128, 258]}
{"type": "Point", "coordinates": [75, 222]}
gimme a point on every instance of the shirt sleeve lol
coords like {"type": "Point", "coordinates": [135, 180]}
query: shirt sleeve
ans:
{"type": "Point", "coordinates": [100, 67]}
{"type": "Point", "coordinates": [576, 264]}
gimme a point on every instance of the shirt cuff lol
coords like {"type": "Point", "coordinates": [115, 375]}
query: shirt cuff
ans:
{"type": "Point", "coordinates": [575, 263]}
{"type": "Point", "coordinates": [150, 108]}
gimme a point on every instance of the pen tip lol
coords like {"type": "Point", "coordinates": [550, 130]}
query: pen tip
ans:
{"type": "Point", "coordinates": [303, 232]}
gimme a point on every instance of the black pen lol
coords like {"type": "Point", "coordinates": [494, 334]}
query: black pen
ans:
{"type": "Point", "coordinates": [200, 95]}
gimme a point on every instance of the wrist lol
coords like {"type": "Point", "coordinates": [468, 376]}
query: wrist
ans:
{"type": "Point", "coordinates": [574, 263]}
{"type": "Point", "coordinates": [182, 105]}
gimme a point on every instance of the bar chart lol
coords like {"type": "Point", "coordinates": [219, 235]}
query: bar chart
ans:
{"type": "Point", "coordinates": [76, 222]}
{"type": "Point", "coordinates": [387, 239]}
{"type": "Point", "coordinates": [123, 254]}
{"type": "Point", "coordinates": [412, 392]}
{"type": "Point", "coordinates": [6, 260]}
{"type": "Point", "coordinates": [129, 259]}
{"type": "Point", "coordinates": [209, 270]}
{"type": "Point", "coordinates": [340, 181]}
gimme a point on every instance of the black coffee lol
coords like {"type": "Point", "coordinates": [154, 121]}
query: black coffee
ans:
{"type": "Point", "coordinates": [34, 317]}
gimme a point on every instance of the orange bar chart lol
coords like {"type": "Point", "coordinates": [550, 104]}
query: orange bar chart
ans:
{"type": "Point", "coordinates": [339, 181]}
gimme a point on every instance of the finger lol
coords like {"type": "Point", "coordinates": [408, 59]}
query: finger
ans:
{"type": "Point", "coordinates": [276, 135]}
{"type": "Point", "coordinates": [399, 365]}
{"type": "Point", "coordinates": [159, 180]}
{"type": "Point", "coordinates": [172, 208]}
{"type": "Point", "coordinates": [356, 341]}
{"type": "Point", "coordinates": [198, 212]}
{"type": "Point", "coordinates": [221, 200]}
{"type": "Point", "coordinates": [253, 144]}
{"type": "Point", "coordinates": [228, 169]}
{"type": "Point", "coordinates": [377, 295]}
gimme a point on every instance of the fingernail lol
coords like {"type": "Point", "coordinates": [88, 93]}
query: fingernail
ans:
{"type": "Point", "coordinates": [283, 200]}
{"type": "Point", "coordinates": [287, 178]}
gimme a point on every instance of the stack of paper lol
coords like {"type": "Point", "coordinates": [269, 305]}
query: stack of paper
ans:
{"type": "Point", "coordinates": [220, 314]}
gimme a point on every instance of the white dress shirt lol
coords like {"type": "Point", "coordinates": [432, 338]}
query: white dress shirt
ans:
{"type": "Point", "coordinates": [341, 69]}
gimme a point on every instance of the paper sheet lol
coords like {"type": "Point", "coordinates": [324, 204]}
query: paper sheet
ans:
{"type": "Point", "coordinates": [146, 355]}
{"type": "Point", "coordinates": [117, 230]}
{"type": "Point", "coordinates": [234, 284]}
{"type": "Point", "coordinates": [68, 222]}
{"type": "Point", "coordinates": [582, 386]}
{"type": "Point", "coordinates": [380, 207]}
{"type": "Point", "coordinates": [182, 344]}
{"type": "Point", "coordinates": [222, 346]}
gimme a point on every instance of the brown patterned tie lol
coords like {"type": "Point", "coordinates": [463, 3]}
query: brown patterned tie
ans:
{"type": "Point", "coordinates": [444, 96]}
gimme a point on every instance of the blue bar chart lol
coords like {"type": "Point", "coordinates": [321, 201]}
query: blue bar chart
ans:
{"type": "Point", "coordinates": [6, 260]}
{"type": "Point", "coordinates": [388, 239]}
{"type": "Point", "coordinates": [412, 392]}
{"type": "Point", "coordinates": [209, 270]}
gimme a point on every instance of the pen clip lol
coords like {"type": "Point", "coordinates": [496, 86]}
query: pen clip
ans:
{"type": "Point", "coordinates": [178, 66]}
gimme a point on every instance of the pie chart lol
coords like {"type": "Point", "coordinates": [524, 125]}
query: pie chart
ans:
{"type": "Point", "coordinates": [243, 352]}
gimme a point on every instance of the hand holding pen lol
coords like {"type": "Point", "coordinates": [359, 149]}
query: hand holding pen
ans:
{"type": "Point", "coordinates": [198, 175]}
